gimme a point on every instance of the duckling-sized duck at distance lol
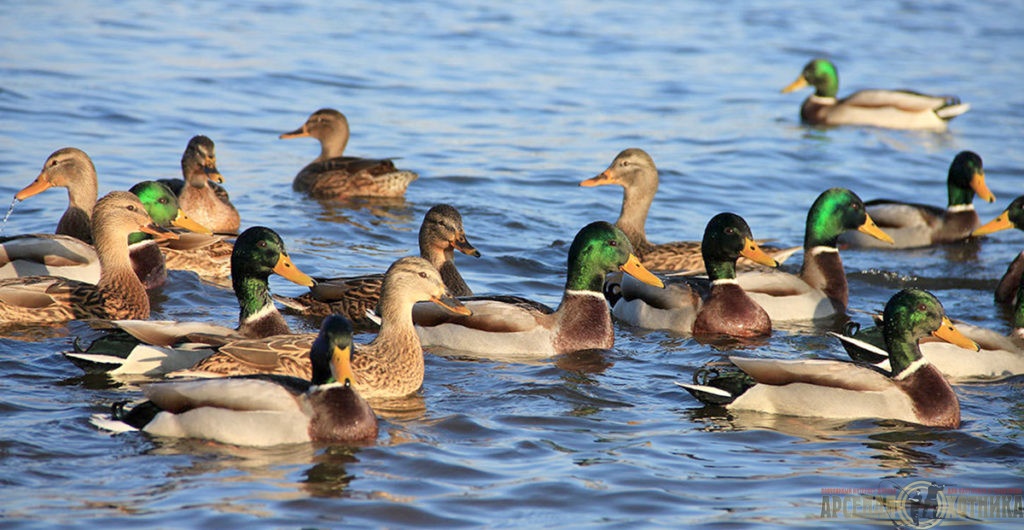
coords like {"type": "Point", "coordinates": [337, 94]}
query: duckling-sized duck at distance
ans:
{"type": "Point", "coordinates": [820, 290]}
{"type": "Point", "coordinates": [919, 225]}
{"type": "Point", "coordinates": [166, 346]}
{"type": "Point", "coordinates": [634, 170]}
{"type": "Point", "coordinates": [334, 176]}
{"type": "Point", "coordinates": [523, 328]}
{"type": "Point", "coordinates": [72, 169]}
{"type": "Point", "coordinates": [915, 391]}
{"type": "Point", "coordinates": [261, 410]}
{"type": "Point", "coordinates": [441, 234]}
{"type": "Point", "coordinates": [200, 193]}
{"type": "Point", "coordinates": [391, 366]}
{"type": "Point", "coordinates": [685, 307]}
{"type": "Point", "coordinates": [119, 293]}
{"type": "Point", "coordinates": [893, 109]}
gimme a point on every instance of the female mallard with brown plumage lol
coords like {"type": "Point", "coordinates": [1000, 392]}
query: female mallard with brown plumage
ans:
{"type": "Point", "coordinates": [389, 367]}
{"type": "Point", "coordinates": [913, 391]}
{"type": "Point", "coordinates": [441, 234]}
{"type": "Point", "coordinates": [684, 306]}
{"type": "Point", "coordinates": [894, 109]}
{"type": "Point", "coordinates": [72, 169]}
{"type": "Point", "coordinates": [516, 327]}
{"type": "Point", "coordinates": [919, 225]}
{"type": "Point", "coordinates": [820, 290]}
{"type": "Point", "coordinates": [119, 293]}
{"type": "Point", "coordinates": [634, 170]}
{"type": "Point", "coordinates": [199, 193]}
{"type": "Point", "coordinates": [261, 410]}
{"type": "Point", "coordinates": [334, 176]}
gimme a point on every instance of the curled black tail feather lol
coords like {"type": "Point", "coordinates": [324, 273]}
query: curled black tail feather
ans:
{"type": "Point", "coordinates": [137, 416]}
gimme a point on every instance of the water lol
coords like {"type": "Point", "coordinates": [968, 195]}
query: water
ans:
{"type": "Point", "coordinates": [503, 109]}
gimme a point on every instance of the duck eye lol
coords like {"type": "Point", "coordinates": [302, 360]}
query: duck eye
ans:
{"type": "Point", "coordinates": [262, 244]}
{"type": "Point", "coordinates": [922, 307]}
{"type": "Point", "coordinates": [613, 243]}
{"type": "Point", "coordinates": [131, 207]}
{"type": "Point", "coordinates": [163, 200]}
{"type": "Point", "coordinates": [423, 274]}
{"type": "Point", "coordinates": [730, 230]}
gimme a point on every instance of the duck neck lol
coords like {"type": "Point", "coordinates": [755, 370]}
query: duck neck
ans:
{"type": "Point", "coordinates": [77, 219]}
{"type": "Point", "coordinates": [396, 326]}
{"type": "Point", "coordinates": [904, 355]}
{"type": "Point", "coordinates": [333, 145]}
{"type": "Point", "coordinates": [583, 276]}
{"type": "Point", "coordinates": [636, 203]}
{"type": "Point", "coordinates": [720, 269]}
{"type": "Point", "coordinates": [257, 317]}
{"type": "Point", "coordinates": [960, 198]}
{"type": "Point", "coordinates": [118, 281]}
{"type": "Point", "coordinates": [1018, 308]}
{"type": "Point", "coordinates": [823, 270]}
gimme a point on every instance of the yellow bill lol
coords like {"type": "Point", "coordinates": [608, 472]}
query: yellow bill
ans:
{"type": "Point", "coordinates": [634, 268]}
{"type": "Point", "coordinates": [998, 224]}
{"type": "Point", "coordinates": [606, 177]}
{"type": "Point", "coordinates": [754, 253]}
{"type": "Point", "coordinates": [184, 221]}
{"type": "Point", "coordinates": [952, 335]}
{"type": "Point", "coordinates": [870, 228]}
{"type": "Point", "coordinates": [795, 85]}
{"type": "Point", "coordinates": [452, 304]}
{"type": "Point", "coordinates": [979, 187]}
{"type": "Point", "coordinates": [38, 186]}
{"type": "Point", "coordinates": [288, 270]}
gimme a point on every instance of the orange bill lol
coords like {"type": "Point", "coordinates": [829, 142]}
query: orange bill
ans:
{"type": "Point", "coordinates": [159, 233]}
{"type": "Point", "coordinates": [38, 186]}
{"type": "Point", "coordinates": [979, 187]}
{"type": "Point", "coordinates": [998, 224]}
{"type": "Point", "coordinates": [463, 245]}
{"type": "Point", "coordinates": [754, 253]}
{"type": "Point", "coordinates": [297, 133]}
{"type": "Point", "coordinates": [341, 365]}
{"type": "Point", "coordinates": [210, 168]}
{"type": "Point", "coordinates": [606, 177]}
{"type": "Point", "coordinates": [634, 268]}
{"type": "Point", "coordinates": [452, 304]}
{"type": "Point", "coordinates": [870, 228]}
{"type": "Point", "coordinates": [795, 85]}
{"type": "Point", "coordinates": [289, 271]}
{"type": "Point", "coordinates": [952, 335]}
{"type": "Point", "coordinates": [186, 222]}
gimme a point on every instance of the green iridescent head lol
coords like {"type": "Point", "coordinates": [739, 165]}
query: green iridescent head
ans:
{"type": "Point", "coordinates": [727, 237]}
{"type": "Point", "coordinates": [600, 248]}
{"type": "Point", "coordinates": [910, 315]}
{"type": "Point", "coordinates": [835, 211]}
{"type": "Point", "coordinates": [967, 178]}
{"type": "Point", "coordinates": [331, 352]}
{"type": "Point", "coordinates": [819, 73]}
{"type": "Point", "coordinates": [162, 205]}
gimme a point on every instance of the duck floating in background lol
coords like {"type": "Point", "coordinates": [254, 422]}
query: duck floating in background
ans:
{"type": "Point", "coordinates": [914, 391]}
{"type": "Point", "coordinates": [334, 176]}
{"type": "Point", "coordinates": [686, 306]}
{"type": "Point", "coordinates": [261, 410]}
{"type": "Point", "coordinates": [914, 225]}
{"type": "Point", "coordinates": [72, 169]}
{"type": "Point", "coordinates": [894, 109]}
{"type": "Point", "coordinates": [634, 170]}
{"type": "Point", "coordinates": [200, 193]}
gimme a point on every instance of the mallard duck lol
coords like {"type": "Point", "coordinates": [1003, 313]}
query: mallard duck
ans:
{"type": "Point", "coordinates": [519, 327]}
{"type": "Point", "coordinates": [894, 109]}
{"type": "Point", "coordinates": [261, 410]}
{"type": "Point", "coordinates": [918, 225]}
{"type": "Point", "coordinates": [199, 193]}
{"type": "Point", "coordinates": [1008, 290]}
{"type": "Point", "coordinates": [209, 256]}
{"type": "Point", "coordinates": [119, 293]}
{"type": "Point", "coordinates": [162, 206]}
{"type": "Point", "coordinates": [820, 290]}
{"type": "Point", "coordinates": [685, 307]}
{"type": "Point", "coordinates": [914, 391]}
{"type": "Point", "coordinates": [389, 367]}
{"type": "Point", "coordinates": [69, 257]}
{"type": "Point", "coordinates": [441, 233]}
{"type": "Point", "coordinates": [258, 253]}
{"type": "Point", "coordinates": [997, 356]}
{"type": "Point", "coordinates": [69, 168]}
{"type": "Point", "coordinates": [634, 170]}
{"type": "Point", "coordinates": [333, 176]}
